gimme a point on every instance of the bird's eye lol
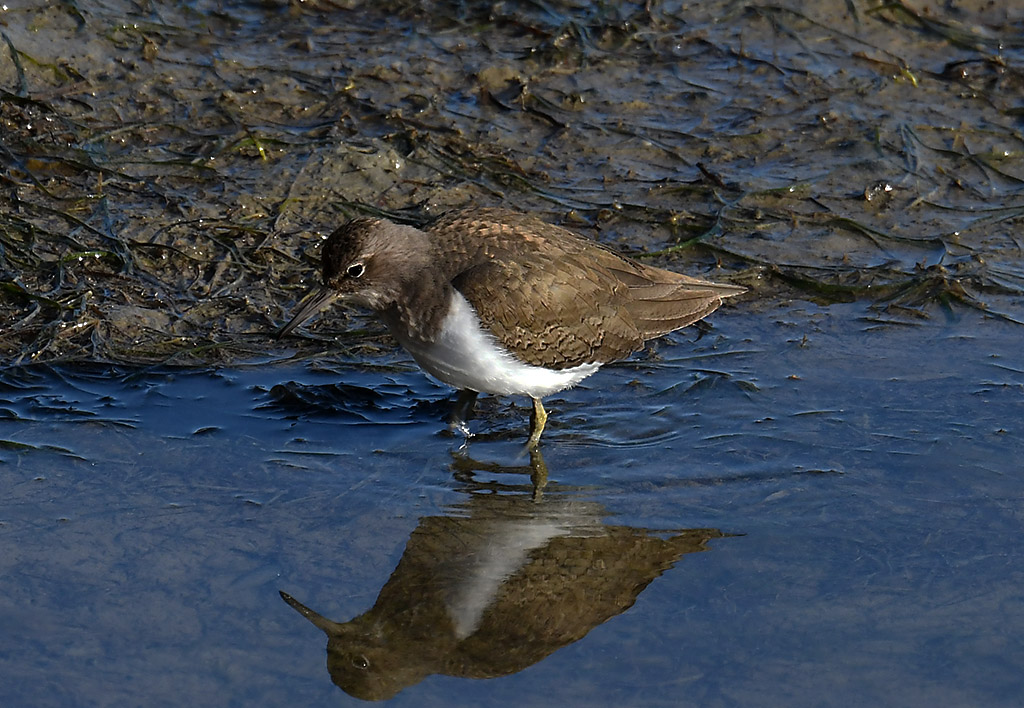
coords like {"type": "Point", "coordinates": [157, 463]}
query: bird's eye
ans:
{"type": "Point", "coordinates": [360, 662]}
{"type": "Point", "coordinates": [355, 270]}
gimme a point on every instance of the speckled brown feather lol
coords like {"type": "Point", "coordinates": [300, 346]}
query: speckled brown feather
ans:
{"type": "Point", "coordinates": [556, 299]}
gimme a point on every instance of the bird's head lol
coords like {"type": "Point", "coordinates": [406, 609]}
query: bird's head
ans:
{"type": "Point", "coordinates": [366, 262]}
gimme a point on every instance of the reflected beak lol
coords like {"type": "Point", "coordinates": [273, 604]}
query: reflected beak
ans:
{"type": "Point", "coordinates": [316, 618]}
{"type": "Point", "coordinates": [316, 302]}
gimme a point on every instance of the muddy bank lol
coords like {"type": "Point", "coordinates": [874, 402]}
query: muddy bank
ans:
{"type": "Point", "coordinates": [168, 170]}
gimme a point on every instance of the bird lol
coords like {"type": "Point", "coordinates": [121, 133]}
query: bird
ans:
{"type": "Point", "coordinates": [491, 300]}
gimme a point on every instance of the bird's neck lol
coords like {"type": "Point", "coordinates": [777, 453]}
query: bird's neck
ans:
{"type": "Point", "coordinates": [419, 313]}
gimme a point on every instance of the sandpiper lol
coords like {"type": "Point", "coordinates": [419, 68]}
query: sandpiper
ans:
{"type": "Point", "coordinates": [494, 301]}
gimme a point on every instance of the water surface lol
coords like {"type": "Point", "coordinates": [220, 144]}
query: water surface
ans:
{"type": "Point", "coordinates": [847, 496]}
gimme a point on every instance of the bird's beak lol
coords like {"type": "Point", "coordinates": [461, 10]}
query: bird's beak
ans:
{"type": "Point", "coordinates": [313, 304]}
{"type": "Point", "coordinates": [317, 619]}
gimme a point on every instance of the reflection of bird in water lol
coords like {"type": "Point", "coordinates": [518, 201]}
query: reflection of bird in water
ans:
{"type": "Point", "coordinates": [493, 588]}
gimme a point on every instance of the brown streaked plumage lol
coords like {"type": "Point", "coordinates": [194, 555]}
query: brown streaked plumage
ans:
{"type": "Point", "coordinates": [549, 297]}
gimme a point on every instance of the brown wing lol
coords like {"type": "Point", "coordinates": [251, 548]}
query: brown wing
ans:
{"type": "Point", "coordinates": [661, 301]}
{"type": "Point", "coordinates": [565, 300]}
{"type": "Point", "coordinates": [558, 317]}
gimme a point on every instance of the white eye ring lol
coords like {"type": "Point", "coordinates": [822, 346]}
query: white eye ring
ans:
{"type": "Point", "coordinates": [355, 270]}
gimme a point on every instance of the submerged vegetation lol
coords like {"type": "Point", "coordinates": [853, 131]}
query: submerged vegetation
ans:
{"type": "Point", "coordinates": [167, 169]}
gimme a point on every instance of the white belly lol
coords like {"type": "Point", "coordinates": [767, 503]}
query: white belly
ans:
{"type": "Point", "coordinates": [467, 356]}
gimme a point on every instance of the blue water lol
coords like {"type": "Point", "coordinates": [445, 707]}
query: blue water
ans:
{"type": "Point", "coordinates": [860, 487]}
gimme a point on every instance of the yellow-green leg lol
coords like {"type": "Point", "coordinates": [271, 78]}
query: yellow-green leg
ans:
{"type": "Point", "coordinates": [537, 421]}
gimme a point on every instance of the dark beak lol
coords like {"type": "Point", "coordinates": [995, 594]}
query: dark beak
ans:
{"type": "Point", "coordinates": [314, 617]}
{"type": "Point", "coordinates": [313, 304]}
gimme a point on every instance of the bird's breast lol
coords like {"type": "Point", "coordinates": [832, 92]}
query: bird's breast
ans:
{"type": "Point", "coordinates": [464, 354]}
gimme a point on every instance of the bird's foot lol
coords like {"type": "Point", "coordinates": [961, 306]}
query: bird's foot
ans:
{"type": "Point", "coordinates": [458, 422]}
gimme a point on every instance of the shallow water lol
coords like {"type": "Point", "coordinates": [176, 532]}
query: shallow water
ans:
{"type": "Point", "coordinates": [852, 495]}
